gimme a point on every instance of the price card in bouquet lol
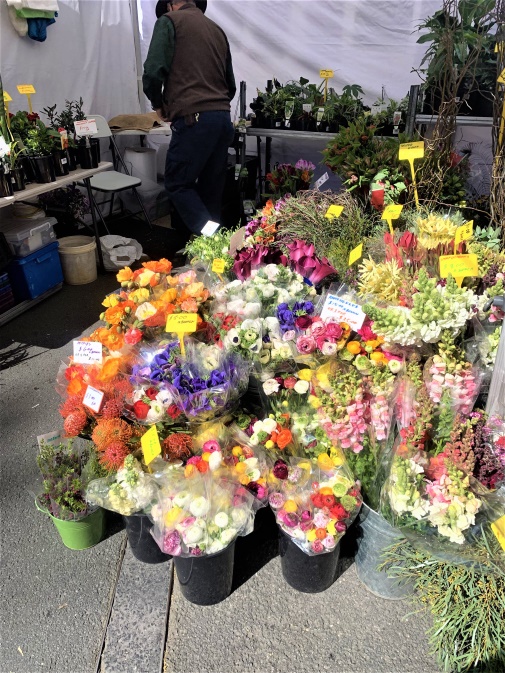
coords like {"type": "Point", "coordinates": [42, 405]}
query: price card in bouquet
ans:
{"type": "Point", "coordinates": [356, 254]}
{"type": "Point", "coordinates": [341, 310]}
{"type": "Point", "coordinates": [326, 74]}
{"type": "Point", "coordinates": [88, 352]}
{"type": "Point", "coordinates": [463, 233]}
{"type": "Point", "coordinates": [210, 228]}
{"type": "Point", "coordinates": [150, 443]}
{"type": "Point", "coordinates": [181, 324]}
{"type": "Point", "coordinates": [334, 211]}
{"type": "Point", "coordinates": [459, 266]}
{"type": "Point", "coordinates": [498, 528]}
{"type": "Point", "coordinates": [93, 399]}
{"type": "Point", "coordinates": [218, 265]}
{"type": "Point", "coordinates": [85, 127]}
{"type": "Point", "coordinates": [320, 181]}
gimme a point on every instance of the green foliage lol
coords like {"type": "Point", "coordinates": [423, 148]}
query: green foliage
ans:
{"type": "Point", "coordinates": [40, 140]}
{"type": "Point", "coordinates": [208, 248]}
{"type": "Point", "coordinates": [467, 603]}
{"type": "Point", "coordinates": [72, 112]}
{"type": "Point", "coordinates": [489, 236]}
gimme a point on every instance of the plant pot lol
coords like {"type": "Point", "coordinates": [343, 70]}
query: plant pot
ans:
{"type": "Point", "coordinates": [73, 158]}
{"type": "Point", "coordinates": [5, 185]}
{"type": "Point", "coordinates": [206, 580]}
{"type": "Point", "coordinates": [89, 157]}
{"type": "Point", "coordinates": [28, 168]}
{"type": "Point", "coordinates": [44, 169]}
{"type": "Point", "coordinates": [17, 179]}
{"type": "Point", "coordinates": [334, 127]}
{"type": "Point", "coordinates": [309, 574]}
{"type": "Point", "coordinates": [142, 543]}
{"type": "Point", "coordinates": [375, 534]}
{"type": "Point", "coordinates": [61, 167]}
{"type": "Point", "coordinates": [81, 534]}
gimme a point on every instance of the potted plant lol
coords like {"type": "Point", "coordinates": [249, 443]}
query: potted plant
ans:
{"type": "Point", "coordinates": [66, 471]}
{"type": "Point", "coordinates": [63, 123]}
{"type": "Point", "coordinates": [68, 204]}
{"type": "Point", "coordinates": [40, 144]}
{"type": "Point", "coordinates": [16, 169]}
{"type": "Point", "coordinates": [21, 124]}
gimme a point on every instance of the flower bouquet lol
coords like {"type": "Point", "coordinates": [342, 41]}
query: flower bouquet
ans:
{"type": "Point", "coordinates": [247, 465]}
{"type": "Point", "coordinates": [274, 433]}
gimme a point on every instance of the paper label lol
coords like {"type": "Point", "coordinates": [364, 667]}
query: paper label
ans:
{"type": "Point", "coordinates": [182, 323]}
{"type": "Point", "coordinates": [210, 228]}
{"type": "Point", "coordinates": [356, 254]}
{"type": "Point", "coordinates": [88, 352]}
{"type": "Point", "coordinates": [52, 438]}
{"type": "Point", "coordinates": [463, 233]}
{"type": "Point", "coordinates": [392, 212]}
{"type": "Point", "coordinates": [501, 77]}
{"type": "Point", "coordinates": [340, 310]}
{"type": "Point", "coordinates": [320, 181]}
{"type": "Point", "coordinates": [218, 265]}
{"type": "Point", "coordinates": [85, 127]}
{"type": "Point", "coordinates": [307, 107]}
{"type": "Point", "coordinates": [93, 399]}
{"type": "Point", "coordinates": [334, 211]}
{"type": "Point", "coordinates": [7, 98]}
{"type": "Point", "coordinates": [326, 74]}
{"type": "Point", "coordinates": [151, 446]}
{"type": "Point", "coordinates": [459, 266]}
{"type": "Point", "coordinates": [410, 151]}
{"type": "Point", "coordinates": [26, 88]}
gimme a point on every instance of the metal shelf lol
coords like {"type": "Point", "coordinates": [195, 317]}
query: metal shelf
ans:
{"type": "Point", "coordinates": [461, 120]}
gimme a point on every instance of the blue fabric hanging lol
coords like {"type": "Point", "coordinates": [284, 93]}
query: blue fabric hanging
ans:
{"type": "Point", "coordinates": [37, 28]}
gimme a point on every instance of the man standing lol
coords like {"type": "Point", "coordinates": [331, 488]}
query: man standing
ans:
{"type": "Point", "coordinates": [188, 77]}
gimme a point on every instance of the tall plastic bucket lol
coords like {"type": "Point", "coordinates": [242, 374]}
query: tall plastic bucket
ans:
{"type": "Point", "coordinates": [78, 259]}
{"type": "Point", "coordinates": [142, 543]}
{"type": "Point", "coordinates": [81, 534]}
{"type": "Point", "coordinates": [375, 534]}
{"type": "Point", "coordinates": [206, 580]}
{"type": "Point", "coordinates": [310, 574]}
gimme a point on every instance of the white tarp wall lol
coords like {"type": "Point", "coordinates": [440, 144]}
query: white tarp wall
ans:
{"type": "Point", "coordinates": [88, 52]}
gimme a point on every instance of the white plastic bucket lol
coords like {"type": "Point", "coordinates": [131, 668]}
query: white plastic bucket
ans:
{"type": "Point", "coordinates": [78, 259]}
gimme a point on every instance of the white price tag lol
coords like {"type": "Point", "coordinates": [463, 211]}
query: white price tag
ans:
{"type": "Point", "coordinates": [93, 399]}
{"type": "Point", "coordinates": [85, 127]}
{"type": "Point", "coordinates": [88, 352]}
{"type": "Point", "coordinates": [210, 228]}
{"type": "Point", "coordinates": [320, 182]}
{"type": "Point", "coordinates": [307, 107]}
{"type": "Point", "coordinates": [51, 438]}
{"type": "Point", "coordinates": [340, 310]}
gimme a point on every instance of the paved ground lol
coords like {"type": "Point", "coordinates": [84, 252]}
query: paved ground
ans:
{"type": "Point", "coordinates": [55, 602]}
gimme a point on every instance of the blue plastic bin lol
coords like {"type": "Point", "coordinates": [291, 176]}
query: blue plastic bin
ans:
{"type": "Point", "coordinates": [37, 273]}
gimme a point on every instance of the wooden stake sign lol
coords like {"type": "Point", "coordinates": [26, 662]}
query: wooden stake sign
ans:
{"type": "Point", "coordinates": [27, 90]}
{"type": "Point", "coordinates": [326, 75]}
{"type": "Point", "coordinates": [409, 152]}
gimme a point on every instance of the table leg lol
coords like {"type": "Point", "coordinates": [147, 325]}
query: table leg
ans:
{"type": "Point", "coordinates": [268, 155]}
{"type": "Point", "coordinates": [260, 177]}
{"type": "Point", "coordinates": [95, 224]}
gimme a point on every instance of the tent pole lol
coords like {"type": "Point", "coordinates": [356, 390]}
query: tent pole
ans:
{"type": "Point", "coordinates": [138, 55]}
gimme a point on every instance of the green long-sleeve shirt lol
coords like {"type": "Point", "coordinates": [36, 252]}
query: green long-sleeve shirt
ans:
{"type": "Point", "coordinates": [159, 61]}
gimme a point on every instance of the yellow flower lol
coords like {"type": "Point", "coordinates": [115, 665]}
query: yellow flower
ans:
{"type": "Point", "coordinates": [172, 516]}
{"type": "Point", "coordinates": [138, 296]}
{"type": "Point", "coordinates": [124, 275]}
{"type": "Point", "coordinates": [145, 310]}
{"type": "Point", "coordinates": [236, 451]}
{"type": "Point", "coordinates": [111, 300]}
{"type": "Point", "coordinates": [383, 279]}
{"type": "Point", "coordinates": [311, 535]}
{"type": "Point", "coordinates": [290, 506]}
{"type": "Point", "coordinates": [435, 230]}
{"type": "Point", "coordinates": [269, 444]}
{"type": "Point", "coordinates": [314, 401]}
{"type": "Point", "coordinates": [324, 461]}
{"type": "Point", "coordinates": [305, 374]}
{"type": "Point", "coordinates": [331, 528]}
{"type": "Point", "coordinates": [337, 456]}
{"type": "Point", "coordinates": [206, 456]}
{"type": "Point", "coordinates": [304, 465]}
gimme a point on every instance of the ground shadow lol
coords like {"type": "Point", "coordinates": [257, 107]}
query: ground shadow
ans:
{"type": "Point", "coordinates": [255, 550]}
{"type": "Point", "coordinates": [13, 356]}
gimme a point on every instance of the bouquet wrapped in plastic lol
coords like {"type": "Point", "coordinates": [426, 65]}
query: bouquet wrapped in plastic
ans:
{"type": "Point", "coordinates": [201, 515]}
{"type": "Point", "coordinates": [248, 465]}
{"type": "Point", "coordinates": [314, 501]}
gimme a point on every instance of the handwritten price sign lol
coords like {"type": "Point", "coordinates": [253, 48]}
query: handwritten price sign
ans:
{"type": "Point", "coordinates": [26, 89]}
{"type": "Point", "coordinates": [150, 443]}
{"type": "Point", "coordinates": [88, 352]}
{"type": "Point", "coordinates": [356, 254]}
{"type": "Point", "coordinates": [326, 74]}
{"type": "Point", "coordinates": [390, 213]}
{"type": "Point", "coordinates": [463, 233]}
{"type": "Point", "coordinates": [339, 309]}
{"type": "Point", "coordinates": [86, 127]}
{"type": "Point", "coordinates": [93, 399]}
{"type": "Point", "coordinates": [218, 265]}
{"type": "Point", "coordinates": [181, 324]}
{"type": "Point", "coordinates": [459, 266]}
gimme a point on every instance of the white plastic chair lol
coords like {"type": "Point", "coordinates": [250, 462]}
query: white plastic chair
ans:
{"type": "Point", "coordinates": [112, 182]}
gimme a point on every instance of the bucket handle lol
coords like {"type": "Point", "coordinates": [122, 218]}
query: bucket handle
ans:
{"type": "Point", "coordinates": [41, 226]}
{"type": "Point", "coordinates": [44, 511]}
{"type": "Point", "coordinates": [44, 258]}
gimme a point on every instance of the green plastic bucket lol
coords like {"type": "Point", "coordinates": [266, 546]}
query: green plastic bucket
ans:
{"type": "Point", "coordinates": [80, 534]}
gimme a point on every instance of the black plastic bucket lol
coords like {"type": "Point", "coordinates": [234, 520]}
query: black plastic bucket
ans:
{"type": "Point", "coordinates": [206, 580]}
{"type": "Point", "coordinates": [310, 574]}
{"type": "Point", "coordinates": [44, 169]}
{"type": "Point", "coordinates": [142, 543]}
{"type": "Point", "coordinates": [61, 166]}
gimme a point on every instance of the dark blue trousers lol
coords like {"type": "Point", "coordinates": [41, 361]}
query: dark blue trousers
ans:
{"type": "Point", "coordinates": [195, 170]}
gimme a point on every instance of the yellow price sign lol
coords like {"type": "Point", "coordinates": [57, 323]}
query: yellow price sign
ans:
{"type": "Point", "coordinates": [218, 265]}
{"type": "Point", "coordinates": [326, 74]}
{"type": "Point", "coordinates": [463, 233]}
{"type": "Point", "coordinates": [459, 266]}
{"type": "Point", "coordinates": [498, 528]}
{"type": "Point", "coordinates": [181, 324]}
{"type": "Point", "coordinates": [390, 213]}
{"type": "Point", "coordinates": [409, 152]}
{"type": "Point", "coordinates": [26, 89]}
{"type": "Point", "coordinates": [7, 98]}
{"type": "Point", "coordinates": [501, 77]}
{"type": "Point", "coordinates": [334, 211]}
{"type": "Point", "coordinates": [356, 254]}
{"type": "Point", "coordinates": [150, 443]}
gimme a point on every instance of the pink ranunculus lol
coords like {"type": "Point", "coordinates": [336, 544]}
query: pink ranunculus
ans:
{"type": "Point", "coordinates": [305, 344]}
{"type": "Point", "coordinates": [317, 546]}
{"type": "Point", "coordinates": [210, 446]}
{"type": "Point", "coordinates": [333, 330]}
{"type": "Point", "coordinates": [133, 336]}
{"type": "Point", "coordinates": [318, 328]}
{"type": "Point", "coordinates": [366, 332]}
{"type": "Point", "coordinates": [290, 382]}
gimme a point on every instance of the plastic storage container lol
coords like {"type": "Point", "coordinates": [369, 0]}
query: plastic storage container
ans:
{"type": "Point", "coordinates": [37, 273]}
{"type": "Point", "coordinates": [78, 259]}
{"type": "Point", "coordinates": [6, 295]}
{"type": "Point", "coordinates": [27, 236]}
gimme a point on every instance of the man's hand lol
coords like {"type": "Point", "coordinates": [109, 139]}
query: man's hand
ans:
{"type": "Point", "coordinates": [159, 112]}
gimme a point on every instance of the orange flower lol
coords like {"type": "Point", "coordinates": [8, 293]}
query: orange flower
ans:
{"type": "Point", "coordinates": [76, 386]}
{"type": "Point", "coordinates": [189, 305]}
{"type": "Point", "coordinates": [284, 438]}
{"type": "Point", "coordinates": [169, 296]}
{"type": "Point", "coordinates": [110, 369]}
{"type": "Point", "coordinates": [320, 533]}
{"type": "Point", "coordinates": [109, 338]}
{"type": "Point", "coordinates": [269, 207]}
{"type": "Point", "coordinates": [124, 275]}
{"type": "Point", "coordinates": [161, 266]}
{"type": "Point", "coordinates": [354, 347]}
{"type": "Point", "coordinates": [114, 315]}
{"type": "Point", "coordinates": [113, 430]}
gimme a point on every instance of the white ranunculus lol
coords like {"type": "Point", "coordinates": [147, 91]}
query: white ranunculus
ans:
{"type": "Point", "coordinates": [251, 462]}
{"type": "Point", "coordinates": [199, 506]}
{"type": "Point", "coordinates": [235, 306]}
{"type": "Point", "coordinates": [182, 499]}
{"type": "Point", "coordinates": [301, 387]}
{"type": "Point", "coordinates": [193, 534]}
{"type": "Point", "coordinates": [254, 474]}
{"type": "Point", "coordinates": [269, 425]}
{"type": "Point", "coordinates": [165, 397]}
{"type": "Point", "coordinates": [214, 547]}
{"type": "Point", "coordinates": [329, 348]}
{"type": "Point", "coordinates": [155, 413]}
{"type": "Point", "coordinates": [145, 310]}
{"type": "Point", "coordinates": [271, 271]}
{"type": "Point", "coordinates": [239, 517]}
{"type": "Point", "coordinates": [271, 386]}
{"type": "Point", "coordinates": [289, 335]}
{"type": "Point", "coordinates": [228, 536]}
{"type": "Point", "coordinates": [215, 460]}
{"type": "Point", "coordinates": [252, 310]}
{"type": "Point", "coordinates": [251, 295]}
{"type": "Point", "coordinates": [221, 520]}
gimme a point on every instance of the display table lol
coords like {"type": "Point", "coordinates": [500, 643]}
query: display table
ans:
{"type": "Point", "coordinates": [81, 174]}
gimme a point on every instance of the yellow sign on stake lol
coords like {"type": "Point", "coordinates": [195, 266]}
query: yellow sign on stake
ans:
{"type": "Point", "coordinates": [27, 90]}
{"type": "Point", "coordinates": [356, 254]}
{"type": "Point", "coordinates": [218, 265]}
{"type": "Point", "coordinates": [501, 77]}
{"type": "Point", "coordinates": [459, 266]}
{"type": "Point", "coordinates": [7, 98]}
{"type": "Point", "coordinates": [150, 443]}
{"type": "Point", "coordinates": [463, 233]}
{"type": "Point", "coordinates": [390, 213]}
{"type": "Point", "coordinates": [409, 152]}
{"type": "Point", "coordinates": [334, 211]}
{"type": "Point", "coordinates": [181, 324]}
{"type": "Point", "coordinates": [326, 75]}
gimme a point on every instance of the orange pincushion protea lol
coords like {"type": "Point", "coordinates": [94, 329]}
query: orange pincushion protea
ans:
{"type": "Point", "coordinates": [177, 447]}
{"type": "Point", "coordinates": [111, 430]}
{"type": "Point", "coordinates": [72, 403]}
{"type": "Point", "coordinates": [75, 423]}
{"type": "Point", "coordinates": [113, 456]}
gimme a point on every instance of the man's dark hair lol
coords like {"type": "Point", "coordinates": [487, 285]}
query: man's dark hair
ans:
{"type": "Point", "coordinates": [162, 6]}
